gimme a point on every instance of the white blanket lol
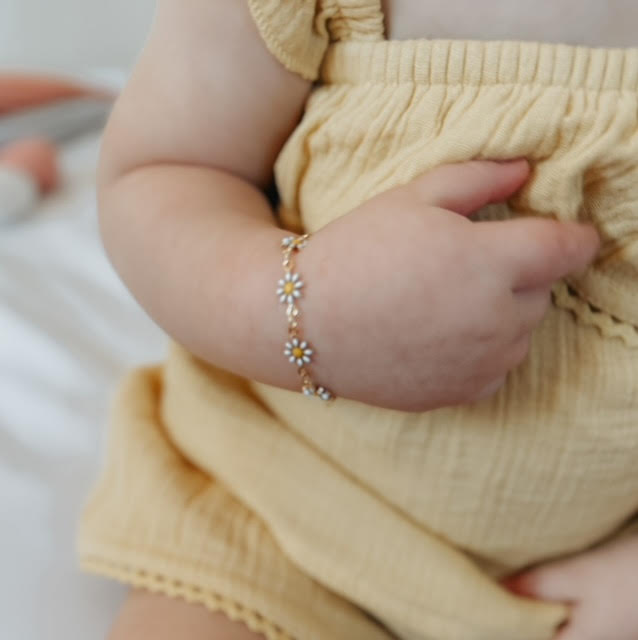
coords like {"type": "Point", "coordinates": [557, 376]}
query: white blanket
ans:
{"type": "Point", "coordinates": [68, 331]}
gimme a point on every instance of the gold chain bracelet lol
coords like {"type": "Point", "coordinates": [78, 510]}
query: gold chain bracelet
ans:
{"type": "Point", "coordinates": [297, 349]}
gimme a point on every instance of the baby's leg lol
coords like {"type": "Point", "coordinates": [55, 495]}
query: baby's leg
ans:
{"type": "Point", "coordinates": [147, 615]}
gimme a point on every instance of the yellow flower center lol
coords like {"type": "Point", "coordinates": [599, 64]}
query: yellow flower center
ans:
{"type": "Point", "coordinates": [289, 287]}
{"type": "Point", "coordinates": [297, 352]}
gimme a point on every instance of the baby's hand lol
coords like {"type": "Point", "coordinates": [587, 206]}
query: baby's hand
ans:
{"type": "Point", "coordinates": [411, 306]}
{"type": "Point", "coordinates": [602, 586]}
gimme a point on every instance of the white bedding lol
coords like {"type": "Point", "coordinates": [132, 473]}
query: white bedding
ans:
{"type": "Point", "coordinates": [68, 331]}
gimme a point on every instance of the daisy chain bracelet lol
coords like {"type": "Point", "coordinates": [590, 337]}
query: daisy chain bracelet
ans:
{"type": "Point", "coordinates": [297, 350]}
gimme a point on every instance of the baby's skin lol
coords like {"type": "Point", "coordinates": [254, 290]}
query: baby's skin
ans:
{"type": "Point", "coordinates": [601, 586]}
{"type": "Point", "coordinates": [186, 225]}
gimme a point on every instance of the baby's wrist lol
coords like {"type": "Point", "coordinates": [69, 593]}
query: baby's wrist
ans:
{"type": "Point", "coordinates": [291, 287]}
{"type": "Point", "coordinates": [263, 305]}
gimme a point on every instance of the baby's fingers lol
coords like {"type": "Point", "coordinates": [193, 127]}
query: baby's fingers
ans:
{"type": "Point", "coordinates": [537, 252]}
{"type": "Point", "coordinates": [468, 186]}
{"type": "Point", "coordinates": [558, 581]}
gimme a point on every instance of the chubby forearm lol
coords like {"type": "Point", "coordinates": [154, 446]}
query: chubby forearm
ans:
{"type": "Point", "coordinates": [200, 250]}
{"type": "Point", "coordinates": [190, 141]}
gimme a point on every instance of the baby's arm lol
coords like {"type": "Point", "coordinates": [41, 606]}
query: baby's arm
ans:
{"type": "Point", "coordinates": [408, 304]}
{"type": "Point", "coordinates": [189, 145]}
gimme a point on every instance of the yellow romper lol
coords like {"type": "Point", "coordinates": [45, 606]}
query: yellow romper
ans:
{"type": "Point", "coordinates": [350, 522]}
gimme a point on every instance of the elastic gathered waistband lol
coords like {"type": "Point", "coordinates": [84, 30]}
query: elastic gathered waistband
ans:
{"type": "Point", "coordinates": [449, 62]}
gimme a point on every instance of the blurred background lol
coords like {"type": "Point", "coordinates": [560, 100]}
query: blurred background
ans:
{"type": "Point", "coordinates": [69, 329]}
{"type": "Point", "coordinates": [72, 35]}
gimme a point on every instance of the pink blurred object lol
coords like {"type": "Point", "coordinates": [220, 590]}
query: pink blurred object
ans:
{"type": "Point", "coordinates": [37, 158]}
{"type": "Point", "coordinates": [29, 166]}
{"type": "Point", "coordinates": [21, 90]}
{"type": "Point", "coordinates": [28, 170]}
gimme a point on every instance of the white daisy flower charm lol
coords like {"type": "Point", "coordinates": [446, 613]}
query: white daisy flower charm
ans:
{"type": "Point", "coordinates": [298, 352]}
{"type": "Point", "coordinates": [289, 288]}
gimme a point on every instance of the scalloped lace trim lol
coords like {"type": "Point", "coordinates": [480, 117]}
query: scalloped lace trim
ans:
{"type": "Point", "coordinates": [215, 602]}
{"type": "Point", "coordinates": [566, 298]}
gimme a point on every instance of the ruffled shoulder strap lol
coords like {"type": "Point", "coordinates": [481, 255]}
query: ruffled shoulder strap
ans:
{"type": "Point", "coordinates": [359, 20]}
{"type": "Point", "coordinates": [298, 32]}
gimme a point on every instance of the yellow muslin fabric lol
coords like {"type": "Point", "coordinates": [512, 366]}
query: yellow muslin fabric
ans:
{"type": "Point", "coordinates": [352, 522]}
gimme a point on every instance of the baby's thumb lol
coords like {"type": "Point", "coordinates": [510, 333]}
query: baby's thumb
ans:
{"type": "Point", "coordinates": [538, 251]}
{"type": "Point", "coordinates": [468, 186]}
